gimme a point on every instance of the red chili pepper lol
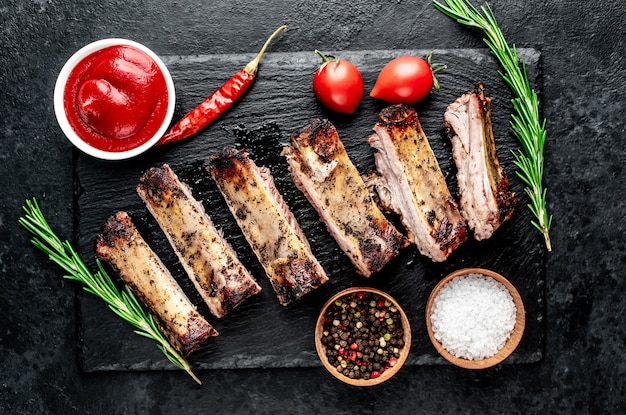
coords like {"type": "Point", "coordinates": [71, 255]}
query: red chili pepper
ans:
{"type": "Point", "coordinates": [218, 102]}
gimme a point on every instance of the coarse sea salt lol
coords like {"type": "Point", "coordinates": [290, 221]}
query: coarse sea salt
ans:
{"type": "Point", "coordinates": [472, 316]}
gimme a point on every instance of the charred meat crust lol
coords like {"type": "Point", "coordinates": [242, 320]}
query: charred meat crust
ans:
{"type": "Point", "coordinates": [316, 135]}
{"type": "Point", "coordinates": [117, 229]}
{"type": "Point", "coordinates": [157, 181]}
{"type": "Point", "coordinates": [506, 199]}
{"type": "Point", "coordinates": [304, 274]}
{"type": "Point", "coordinates": [413, 185]}
{"type": "Point", "coordinates": [228, 161]}
{"type": "Point", "coordinates": [322, 170]}
{"type": "Point", "coordinates": [486, 200]}
{"type": "Point", "coordinates": [267, 223]}
{"type": "Point", "coordinates": [122, 247]}
{"type": "Point", "coordinates": [399, 116]}
{"type": "Point", "coordinates": [208, 259]}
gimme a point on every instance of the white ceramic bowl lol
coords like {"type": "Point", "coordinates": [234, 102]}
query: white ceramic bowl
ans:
{"type": "Point", "coordinates": [61, 116]}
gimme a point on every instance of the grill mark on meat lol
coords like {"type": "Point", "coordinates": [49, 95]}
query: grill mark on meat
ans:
{"type": "Point", "coordinates": [321, 169]}
{"type": "Point", "coordinates": [485, 198]}
{"type": "Point", "coordinates": [413, 185]}
{"type": "Point", "coordinates": [121, 246]}
{"type": "Point", "coordinates": [208, 259]}
{"type": "Point", "coordinates": [268, 224]}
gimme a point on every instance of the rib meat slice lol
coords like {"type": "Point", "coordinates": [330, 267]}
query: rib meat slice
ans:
{"type": "Point", "coordinates": [414, 184]}
{"type": "Point", "coordinates": [209, 260]}
{"type": "Point", "coordinates": [268, 224]}
{"type": "Point", "coordinates": [321, 169]}
{"type": "Point", "coordinates": [485, 199]}
{"type": "Point", "coordinates": [122, 247]}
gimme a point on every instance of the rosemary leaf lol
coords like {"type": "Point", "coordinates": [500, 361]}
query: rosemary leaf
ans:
{"type": "Point", "coordinates": [525, 121]}
{"type": "Point", "coordinates": [123, 303]}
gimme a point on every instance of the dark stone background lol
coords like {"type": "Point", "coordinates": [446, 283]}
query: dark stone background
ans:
{"type": "Point", "coordinates": [582, 46]}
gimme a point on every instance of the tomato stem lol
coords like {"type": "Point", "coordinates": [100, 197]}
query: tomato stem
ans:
{"type": "Point", "coordinates": [435, 68]}
{"type": "Point", "coordinates": [327, 58]}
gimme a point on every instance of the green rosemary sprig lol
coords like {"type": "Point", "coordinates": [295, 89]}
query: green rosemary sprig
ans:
{"type": "Point", "coordinates": [525, 121]}
{"type": "Point", "coordinates": [122, 302]}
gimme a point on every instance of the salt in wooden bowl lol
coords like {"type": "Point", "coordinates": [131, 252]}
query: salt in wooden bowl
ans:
{"type": "Point", "coordinates": [510, 344]}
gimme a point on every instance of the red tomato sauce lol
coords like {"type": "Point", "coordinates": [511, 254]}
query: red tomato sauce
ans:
{"type": "Point", "coordinates": [116, 98]}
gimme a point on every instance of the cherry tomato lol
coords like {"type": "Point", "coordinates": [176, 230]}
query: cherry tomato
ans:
{"type": "Point", "coordinates": [338, 84]}
{"type": "Point", "coordinates": [406, 79]}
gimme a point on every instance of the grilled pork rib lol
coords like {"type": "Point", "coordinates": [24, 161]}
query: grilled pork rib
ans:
{"type": "Point", "coordinates": [322, 170]}
{"type": "Point", "coordinates": [414, 184]}
{"type": "Point", "coordinates": [267, 223]}
{"type": "Point", "coordinates": [122, 247]}
{"type": "Point", "coordinates": [209, 260]}
{"type": "Point", "coordinates": [485, 199]}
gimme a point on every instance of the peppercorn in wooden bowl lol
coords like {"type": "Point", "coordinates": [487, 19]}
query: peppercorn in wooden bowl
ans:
{"type": "Point", "coordinates": [362, 336]}
{"type": "Point", "coordinates": [475, 318]}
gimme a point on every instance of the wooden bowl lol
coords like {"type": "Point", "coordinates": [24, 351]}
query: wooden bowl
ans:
{"type": "Point", "coordinates": [321, 348]}
{"type": "Point", "coordinates": [511, 343]}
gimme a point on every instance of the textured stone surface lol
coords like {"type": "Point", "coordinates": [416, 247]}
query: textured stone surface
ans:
{"type": "Point", "coordinates": [582, 50]}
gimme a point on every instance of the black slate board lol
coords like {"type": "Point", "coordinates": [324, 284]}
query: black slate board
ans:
{"type": "Point", "coordinates": [261, 333]}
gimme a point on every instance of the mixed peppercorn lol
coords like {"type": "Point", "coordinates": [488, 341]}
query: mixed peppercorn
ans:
{"type": "Point", "coordinates": [362, 335]}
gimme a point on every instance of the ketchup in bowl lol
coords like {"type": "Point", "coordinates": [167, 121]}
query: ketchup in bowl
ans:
{"type": "Point", "coordinates": [114, 99]}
